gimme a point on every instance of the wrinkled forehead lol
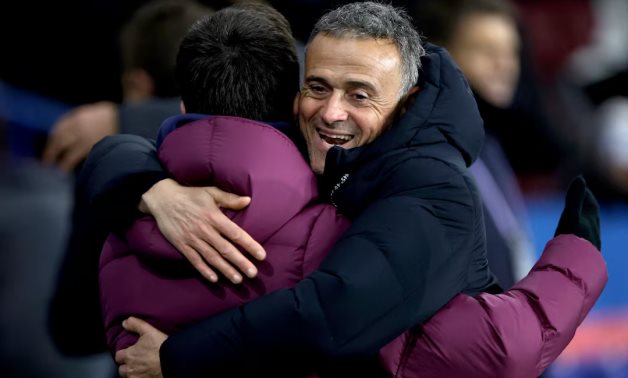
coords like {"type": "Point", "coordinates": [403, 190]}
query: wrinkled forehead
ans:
{"type": "Point", "coordinates": [335, 39]}
{"type": "Point", "coordinates": [349, 55]}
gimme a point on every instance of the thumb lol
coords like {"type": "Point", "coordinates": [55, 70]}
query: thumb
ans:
{"type": "Point", "coordinates": [575, 195]}
{"type": "Point", "coordinates": [591, 214]}
{"type": "Point", "coordinates": [570, 216]}
{"type": "Point", "coordinates": [229, 200]}
{"type": "Point", "coordinates": [136, 325]}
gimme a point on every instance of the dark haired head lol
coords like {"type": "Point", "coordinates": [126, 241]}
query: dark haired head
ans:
{"type": "Point", "coordinates": [150, 40]}
{"type": "Point", "coordinates": [240, 61]}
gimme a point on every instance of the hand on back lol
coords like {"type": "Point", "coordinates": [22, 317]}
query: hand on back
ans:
{"type": "Point", "coordinates": [191, 219]}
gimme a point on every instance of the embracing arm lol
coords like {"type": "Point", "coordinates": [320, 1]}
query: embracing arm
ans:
{"type": "Point", "coordinates": [123, 178]}
{"type": "Point", "coordinates": [372, 286]}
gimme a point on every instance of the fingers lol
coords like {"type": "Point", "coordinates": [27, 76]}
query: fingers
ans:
{"type": "Point", "coordinates": [65, 148]}
{"type": "Point", "coordinates": [233, 233]}
{"type": "Point", "coordinates": [575, 195]}
{"type": "Point", "coordinates": [223, 256]}
{"type": "Point", "coordinates": [123, 371]}
{"type": "Point", "coordinates": [198, 263]}
{"type": "Point", "coordinates": [121, 356]}
{"type": "Point", "coordinates": [218, 253]}
{"type": "Point", "coordinates": [229, 200]}
{"type": "Point", "coordinates": [226, 234]}
{"type": "Point", "coordinates": [137, 325]}
{"type": "Point", "coordinates": [202, 255]}
{"type": "Point", "coordinates": [576, 188]}
{"type": "Point", "coordinates": [591, 211]}
{"type": "Point", "coordinates": [72, 157]}
{"type": "Point", "coordinates": [77, 131]}
{"type": "Point", "coordinates": [60, 139]}
{"type": "Point", "coordinates": [220, 263]}
{"type": "Point", "coordinates": [191, 219]}
{"type": "Point", "coordinates": [590, 204]}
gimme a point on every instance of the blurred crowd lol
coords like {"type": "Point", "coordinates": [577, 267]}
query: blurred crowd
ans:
{"type": "Point", "coordinates": [550, 78]}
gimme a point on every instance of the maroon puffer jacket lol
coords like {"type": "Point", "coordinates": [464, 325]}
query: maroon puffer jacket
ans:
{"type": "Point", "coordinates": [145, 276]}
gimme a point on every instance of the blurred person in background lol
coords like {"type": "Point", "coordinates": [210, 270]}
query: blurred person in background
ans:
{"type": "Point", "coordinates": [149, 42]}
{"type": "Point", "coordinates": [36, 69]}
{"type": "Point", "coordinates": [483, 39]}
{"type": "Point", "coordinates": [486, 40]}
{"type": "Point", "coordinates": [46, 69]}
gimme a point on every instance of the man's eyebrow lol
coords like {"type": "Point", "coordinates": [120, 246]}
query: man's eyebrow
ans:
{"type": "Point", "coordinates": [351, 83]}
{"type": "Point", "coordinates": [316, 79]}
{"type": "Point", "coordinates": [362, 85]}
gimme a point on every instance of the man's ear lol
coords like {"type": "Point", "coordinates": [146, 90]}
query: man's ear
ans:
{"type": "Point", "coordinates": [182, 107]}
{"type": "Point", "coordinates": [408, 99]}
{"type": "Point", "coordinates": [295, 105]}
{"type": "Point", "coordinates": [413, 90]}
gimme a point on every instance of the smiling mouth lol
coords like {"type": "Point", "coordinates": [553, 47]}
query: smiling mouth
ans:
{"type": "Point", "coordinates": [336, 140]}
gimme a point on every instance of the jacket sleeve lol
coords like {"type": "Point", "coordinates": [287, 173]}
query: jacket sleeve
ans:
{"type": "Point", "coordinates": [118, 170]}
{"type": "Point", "coordinates": [116, 173]}
{"type": "Point", "coordinates": [562, 287]}
{"type": "Point", "coordinates": [371, 287]}
{"type": "Point", "coordinates": [517, 333]}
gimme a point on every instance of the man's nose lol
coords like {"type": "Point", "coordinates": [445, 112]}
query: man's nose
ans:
{"type": "Point", "coordinates": [334, 109]}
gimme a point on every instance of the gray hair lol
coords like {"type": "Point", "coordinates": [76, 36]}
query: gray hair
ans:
{"type": "Point", "coordinates": [378, 21]}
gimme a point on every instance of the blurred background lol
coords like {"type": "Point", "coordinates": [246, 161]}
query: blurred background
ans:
{"type": "Point", "coordinates": [550, 78]}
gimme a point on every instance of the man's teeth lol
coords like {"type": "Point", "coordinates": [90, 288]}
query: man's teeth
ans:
{"type": "Point", "coordinates": [335, 139]}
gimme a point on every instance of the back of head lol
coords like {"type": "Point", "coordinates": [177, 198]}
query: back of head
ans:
{"type": "Point", "coordinates": [150, 40]}
{"type": "Point", "coordinates": [240, 61]}
{"type": "Point", "coordinates": [372, 20]}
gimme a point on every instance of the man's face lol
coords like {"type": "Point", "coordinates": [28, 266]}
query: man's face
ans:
{"type": "Point", "coordinates": [350, 93]}
{"type": "Point", "coordinates": [486, 47]}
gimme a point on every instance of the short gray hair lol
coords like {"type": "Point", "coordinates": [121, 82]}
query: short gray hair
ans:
{"type": "Point", "coordinates": [370, 19]}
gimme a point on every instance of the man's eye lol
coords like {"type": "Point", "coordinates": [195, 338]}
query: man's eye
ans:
{"type": "Point", "coordinates": [359, 97]}
{"type": "Point", "coordinates": [317, 89]}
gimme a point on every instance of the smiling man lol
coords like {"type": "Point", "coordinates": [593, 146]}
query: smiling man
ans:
{"type": "Point", "coordinates": [351, 92]}
{"type": "Point", "coordinates": [415, 242]}
{"type": "Point", "coordinates": [417, 234]}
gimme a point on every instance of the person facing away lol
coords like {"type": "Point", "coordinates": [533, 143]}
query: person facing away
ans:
{"type": "Point", "coordinates": [219, 66]}
{"type": "Point", "coordinates": [440, 69]}
{"type": "Point", "coordinates": [484, 38]}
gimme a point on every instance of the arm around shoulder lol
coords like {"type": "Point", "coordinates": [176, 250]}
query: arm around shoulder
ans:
{"type": "Point", "coordinates": [385, 275]}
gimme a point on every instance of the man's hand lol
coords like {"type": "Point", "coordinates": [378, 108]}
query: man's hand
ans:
{"type": "Point", "coordinates": [141, 360]}
{"type": "Point", "coordinates": [581, 215]}
{"type": "Point", "coordinates": [74, 135]}
{"type": "Point", "coordinates": [191, 219]}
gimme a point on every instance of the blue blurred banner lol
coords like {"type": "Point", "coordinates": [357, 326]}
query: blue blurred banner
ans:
{"type": "Point", "coordinates": [29, 117]}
